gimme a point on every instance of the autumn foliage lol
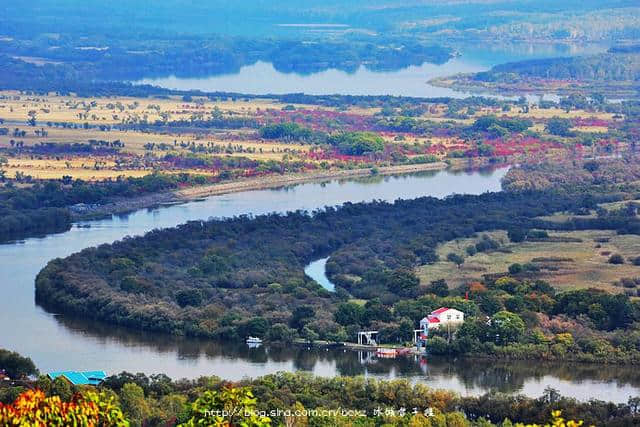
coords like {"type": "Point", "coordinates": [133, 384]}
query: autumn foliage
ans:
{"type": "Point", "coordinates": [33, 408]}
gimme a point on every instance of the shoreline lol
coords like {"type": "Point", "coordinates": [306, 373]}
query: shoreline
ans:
{"type": "Point", "coordinates": [271, 181]}
{"type": "Point", "coordinates": [463, 83]}
{"type": "Point", "coordinates": [246, 184]}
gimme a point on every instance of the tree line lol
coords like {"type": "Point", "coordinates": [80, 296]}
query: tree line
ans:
{"type": "Point", "coordinates": [296, 399]}
{"type": "Point", "coordinates": [42, 207]}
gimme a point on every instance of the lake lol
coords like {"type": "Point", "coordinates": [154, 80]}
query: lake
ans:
{"type": "Point", "coordinates": [263, 78]}
{"type": "Point", "coordinates": [57, 342]}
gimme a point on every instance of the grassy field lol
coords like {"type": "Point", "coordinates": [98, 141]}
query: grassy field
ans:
{"type": "Point", "coordinates": [584, 261]}
{"type": "Point", "coordinates": [84, 168]}
{"type": "Point", "coordinates": [102, 110]}
{"type": "Point", "coordinates": [122, 118]}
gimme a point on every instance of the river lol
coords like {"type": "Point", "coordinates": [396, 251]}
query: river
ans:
{"type": "Point", "coordinates": [57, 342]}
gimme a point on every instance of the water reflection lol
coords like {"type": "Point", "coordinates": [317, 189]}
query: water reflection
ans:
{"type": "Point", "coordinates": [464, 375]}
{"type": "Point", "coordinates": [263, 78]}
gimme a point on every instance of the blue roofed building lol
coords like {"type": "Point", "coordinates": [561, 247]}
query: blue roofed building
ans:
{"type": "Point", "coordinates": [80, 378]}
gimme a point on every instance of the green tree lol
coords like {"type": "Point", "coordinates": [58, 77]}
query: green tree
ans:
{"type": "Point", "coordinates": [187, 297]}
{"type": "Point", "coordinates": [455, 258]}
{"type": "Point", "coordinates": [437, 345]}
{"type": "Point", "coordinates": [309, 334]}
{"type": "Point", "coordinates": [559, 127]}
{"type": "Point", "coordinates": [349, 313]}
{"type": "Point", "coordinates": [134, 404]}
{"type": "Point", "coordinates": [506, 327]}
{"type": "Point", "coordinates": [257, 326]}
{"type": "Point", "coordinates": [15, 365]}
{"type": "Point", "coordinates": [515, 268]}
{"type": "Point", "coordinates": [229, 406]}
{"type": "Point", "coordinates": [281, 333]}
{"type": "Point", "coordinates": [301, 316]}
{"type": "Point", "coordinates": [439, 287]}
{"type": "Point", "coordinates": [517, 235]}
{"type": "Point", "coordinates": [357, 143]}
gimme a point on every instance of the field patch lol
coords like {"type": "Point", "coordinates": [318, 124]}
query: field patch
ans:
{"type": "Point", "coordinates": [567, 260]}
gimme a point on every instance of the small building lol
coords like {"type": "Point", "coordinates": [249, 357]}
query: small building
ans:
{"type": "Point", "coordinates": [80, 378]}
{"type": "Point", "coordinates": [442, 317]}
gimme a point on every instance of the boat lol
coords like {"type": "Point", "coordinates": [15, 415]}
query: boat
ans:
{"type": "Point", "coordinates": [254, 340]}
{"type": "Point", "coordinates": [386, 353]}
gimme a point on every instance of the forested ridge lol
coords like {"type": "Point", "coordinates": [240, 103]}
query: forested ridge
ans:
{"type": "Point", "coordinates": [603, 67]}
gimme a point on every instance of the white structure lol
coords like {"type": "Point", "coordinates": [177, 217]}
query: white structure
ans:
{"type": "Point", "coordinates": [443, 316]}
{"type": "Point", "coordinates": [368, 338]}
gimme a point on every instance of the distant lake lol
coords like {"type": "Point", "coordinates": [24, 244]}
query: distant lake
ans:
{"type": "Point", "coordinates": [263, 78]}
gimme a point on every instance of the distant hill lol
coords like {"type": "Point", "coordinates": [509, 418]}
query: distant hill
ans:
{"type": "Point", "coordinates": [610, 66]}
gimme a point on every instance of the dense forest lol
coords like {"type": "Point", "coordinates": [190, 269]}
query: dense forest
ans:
{"type": "Point", "coordinates": [244, 276]}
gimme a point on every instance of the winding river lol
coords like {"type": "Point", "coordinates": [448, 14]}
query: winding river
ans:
{"type": "Point", "coordinates": [57, 342]}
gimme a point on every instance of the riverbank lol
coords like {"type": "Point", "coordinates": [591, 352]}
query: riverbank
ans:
{"type": "Point", "coordinates": [127, 205]}
{"type": "Point", "coordinates": [535, 86]}
{"type": "Point", "coordinates": [292, 179]}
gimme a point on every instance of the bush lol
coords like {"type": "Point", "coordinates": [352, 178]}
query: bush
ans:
{"type": "Point", "coordinates": [517, 235]}
{"type": "Point", "coordinates": [282, 333]}
{"type": "Point", "coordinates": [616, 259]}
{"type": "Point", "coordinates": [559, 127]}
{"type": "Point", "coordinates": [538, 234]}
{"type": "Point", "coordinates": [290, 131]}
{"type": "Point", "coordinates": [437, 345]}
{"type": "Point", "coordinates": [439, 288]}
{"type": "Point", "coordinates": [487, 244]}
{"type": "Point", "coordinates": [515, 268]}
{"type": "Point", "coordinates": [357, 143]}
{"type": "Point", "coordinates": [455, 258]}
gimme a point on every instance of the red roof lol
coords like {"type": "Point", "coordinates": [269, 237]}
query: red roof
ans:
{"type": "Point", "coordinates": [439, 311]}
{"type": "Point", "coordinates": [434, 320]}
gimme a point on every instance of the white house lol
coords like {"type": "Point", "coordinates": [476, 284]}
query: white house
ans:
{"type": "Point", "coordinates": [442, 317]}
